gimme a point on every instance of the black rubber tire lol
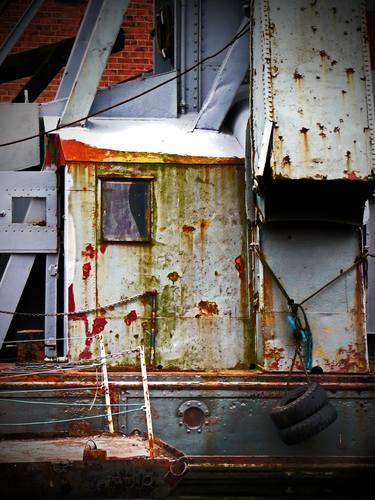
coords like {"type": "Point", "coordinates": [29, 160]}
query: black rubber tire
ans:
{"type": "Point", "coordinates": [310, 426]}
{"type": "Point", "coordinates": [298, 405]}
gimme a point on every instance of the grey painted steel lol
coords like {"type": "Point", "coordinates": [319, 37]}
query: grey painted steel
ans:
{"type": "Point", "coordinates": [17, 121]}
{"type": "Point", "coordinates": [80, 44]}
{"type": "Point", "coordinates": [12, 285]}
{"type": "Point", "coordinates": [220, 20]}
{"type": "Point", "coordinates": [319, 90]}
{"type": "Point", "coordinates": [51, 305]}
{"type": "Point", "coordinates": [192, 55]}
{"type": "Point", "coordinates": [20, 27]}
{"type": "Point", "coordinates": [305, 257]}
{"type": "Point", "coordinates": [226, 84]}
{"type": "Point", "coordinates": [160, 103]}
{"type": "Point", "coordinates": [37, 233]}
{"type": "Point", "coordinates": [239, 424]}
{"type": "Point", "coordinates": [370, 296]}
{"type": "Point", "coordinates": [94, 60]}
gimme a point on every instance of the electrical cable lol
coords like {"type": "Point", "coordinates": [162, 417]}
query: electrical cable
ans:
{"type": "Point", "coordinates": [241, 33]}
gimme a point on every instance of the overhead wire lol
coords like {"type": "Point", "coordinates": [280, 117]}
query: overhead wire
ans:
{"type": "Point", "coordinates": [241, 33]}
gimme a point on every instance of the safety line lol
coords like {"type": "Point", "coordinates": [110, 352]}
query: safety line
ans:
{"type": "Point", "coordinates": [242, 32]}
{"type": "Point", "coordinates": [57, 389]}
{"type": "Point", "coordinates": [57, 403]}
{"type": "Point", "coordinates": [13, 424]}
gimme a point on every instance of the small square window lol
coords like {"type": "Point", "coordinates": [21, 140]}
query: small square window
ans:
{"type": "Point", "coordinates": [126, 210]}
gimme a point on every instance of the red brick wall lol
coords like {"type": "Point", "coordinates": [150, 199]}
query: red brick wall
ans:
{"type": "Point", "coordinates": [59, 19]}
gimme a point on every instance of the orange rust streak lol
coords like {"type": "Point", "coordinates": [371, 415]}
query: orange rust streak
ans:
{"type": "Point", "coordinates": [78, 151]}
{"type": "Point", "coordinates": [208, 308]}
{"type": "Point", "coordinates": [188, 229]}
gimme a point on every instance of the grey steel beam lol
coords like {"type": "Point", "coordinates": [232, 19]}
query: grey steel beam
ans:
{"type": "Point", "coordinates": [51, 305]}
{"type": "Point", "coordinates": [78, 50]}
{"type": "Point", "coordinates": [19, 28]}
{"type": "Point", "coordinates": [226, 84]}
{"type": "Point", "coordinates": [12, 285]}
{"type": "Point", "coordinates": [94, 60]}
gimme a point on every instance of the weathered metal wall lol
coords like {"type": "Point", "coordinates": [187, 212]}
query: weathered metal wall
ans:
{"type": "Point", "coordinates": [196, 262]}
{"type": "Point", "coordinates": [316, 78]}
{"type": "Point", "coordinates": [304, 258]}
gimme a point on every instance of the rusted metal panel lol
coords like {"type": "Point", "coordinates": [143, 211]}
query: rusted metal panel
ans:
{"type": "Point", "coordinates": [80, 261]}
{"type": "Point", "coordinates": [196, 262]}
{"type": "Point", "coordinates": [317, 71]}
{"type": "Point", "coordinates": [336, 315]}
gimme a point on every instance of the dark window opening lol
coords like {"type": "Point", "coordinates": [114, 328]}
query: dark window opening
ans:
{"type": "Point", "coordinates": [126, 210]}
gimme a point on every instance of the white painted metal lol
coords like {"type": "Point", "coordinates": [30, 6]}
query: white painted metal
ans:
{"type": "Point", "coordinates": [226, 84]}
{"type": "Point", "coordinates": [171, 136]}
{"type": "Point", "coordinates": [38, 232]}
{"type": "Point", "coordinates": [19, 28]}
{"type": "Point", "coordinates": [146, 395]}
{"type": "Point", "coordinates": [264, 148]}
{"type": "Point", "coordinates": [78, 50]}
{"type": "Point", "coordinates": [94, 60]}
{"type": "Point", "coordinates": [103, 364]}
{"type": "Point", "coordinates": [319, 87]}
{"type": "Point", "coordinates": [17, 121]}
{"type": "Point", "coordinates": [202, 315]}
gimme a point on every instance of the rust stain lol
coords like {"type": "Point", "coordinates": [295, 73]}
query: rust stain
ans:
{"type": "Point", "coordinates": [273, 356]}
{"type": "Point", "coordinates": [240, 265]}
{"type": "Point", "coordinates": [78, 151]}
{"type": "Point", "coordinates": [286, 161]}
{"type": "Point", "coordinates": [203, 224]}
{"type": "Point", "coordinates": [348, 163]}
{"type": "Point", "coordinates": [323, 54]}
{"type": "Point", "coordinates": [131, 317]}
{"type": "Point", "coordinates": [297, 76]}
{"type": "Point", "coordinates": [336, 130]}
{"type": "Point", "coordinates": [54, 154]}
{"type": "Point", "coordinates": [207, 308]}
{"type": "Point", "coordinates": [103, 247]}
{"type": "Point", "coordinates": [89, 252]}
{"type": "Point", "coordinates": [78, 429]}
{"type": "Point", "coordinates": [86, 269]}
{"type": "Point", "coordinates": [349, 74]}
{"type": "Point", "coordinates": [304, 131]}
{"type": "Point", "coordinates": [173, 276]}
{"type": "Point", "coordinates": [188, 229]}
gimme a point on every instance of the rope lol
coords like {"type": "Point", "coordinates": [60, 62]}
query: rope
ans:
{"type": "Point", "coordinates": [88, 417]}
{"type": "Point", "coordinates": [57, 403]}
{"type": "Point", "coordinates": [303, 334]}
{"type": "Point", "coordinates": [82, 313]}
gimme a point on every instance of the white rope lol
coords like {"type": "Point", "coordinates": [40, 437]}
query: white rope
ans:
{"type": "Point", "coordinates": [13, 424]}
{"type": "Point", "coordinates": [56, 403]}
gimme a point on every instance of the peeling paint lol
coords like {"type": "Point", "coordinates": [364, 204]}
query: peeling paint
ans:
{"type": "Point", "coordinates": [130, 317]}
{"type": "Point", "coordinates": [86, 269]}
{"type": "Point", "coordinates": [207, 308]}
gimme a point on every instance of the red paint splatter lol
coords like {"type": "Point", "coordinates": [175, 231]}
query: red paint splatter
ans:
{"type": "Point", "coordinates": [86, 268]}
{"type": "Point", "coordinates": [89, 252]}
{"type": "Point", "coordinates": [97, 327]}
{"type": "Point", "coordinates": [71, 303]}
{"type": "Point", "coordinates": [103, 247]}
{"type": "Point", "coordinates": [129, 318]}
{"type": "Point", "coordinates": [352, 176]}
{"type": "Point", "coordinates": [240, 266]}
{"type": "Point", "coordinates": [54, 154]}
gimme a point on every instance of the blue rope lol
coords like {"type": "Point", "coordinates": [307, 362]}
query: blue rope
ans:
{"type": "Point", "coordinates": [302, 334]}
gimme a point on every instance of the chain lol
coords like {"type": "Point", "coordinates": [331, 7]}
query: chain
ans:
{"type": "Point", "coordinates": [87, 311]}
